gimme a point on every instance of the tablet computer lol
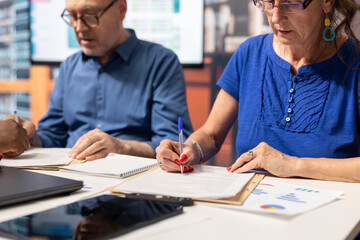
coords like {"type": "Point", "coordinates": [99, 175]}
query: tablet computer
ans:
{"type": "Point", "coordinates": [101, 217]}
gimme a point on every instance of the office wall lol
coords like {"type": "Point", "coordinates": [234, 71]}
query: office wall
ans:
{"type": "Point", "coordinates": [14, 53]}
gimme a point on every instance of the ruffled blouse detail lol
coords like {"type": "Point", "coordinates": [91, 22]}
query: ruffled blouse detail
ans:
{"type": "Point", "coordinates": [293, 103]}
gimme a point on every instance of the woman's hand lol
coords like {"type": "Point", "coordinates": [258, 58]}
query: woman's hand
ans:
{"type": "Point", "coordinates": [168, 156]}
{"type": "Point", "coordinates": [265, 157]}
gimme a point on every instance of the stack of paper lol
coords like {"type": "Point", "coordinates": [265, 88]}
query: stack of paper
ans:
{"type": "Point", "coordinates": [39, 158]}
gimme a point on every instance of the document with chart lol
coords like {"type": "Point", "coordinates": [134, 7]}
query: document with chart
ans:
{"type": "Point", "coordinates": [287, 199]}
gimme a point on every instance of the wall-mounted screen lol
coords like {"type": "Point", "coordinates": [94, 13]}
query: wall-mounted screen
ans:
{"type": "Point", "coordinates": [176, 24]}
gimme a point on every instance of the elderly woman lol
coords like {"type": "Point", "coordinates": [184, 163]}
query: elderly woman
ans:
{"type": "Point", "coordinates": [296, 94]}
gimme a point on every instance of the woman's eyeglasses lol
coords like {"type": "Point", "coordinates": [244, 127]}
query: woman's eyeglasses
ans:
{"type": "Point", "coordinates": [288, 7]}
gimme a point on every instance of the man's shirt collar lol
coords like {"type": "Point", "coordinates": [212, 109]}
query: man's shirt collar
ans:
{"type": "Point", "coordinates": [124, 50]}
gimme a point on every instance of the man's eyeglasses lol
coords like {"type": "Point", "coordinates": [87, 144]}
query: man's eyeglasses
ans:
{"type": "Point", "coordinates": [287, 7]}
{"type": "Point", "coordinates": [90, 20]}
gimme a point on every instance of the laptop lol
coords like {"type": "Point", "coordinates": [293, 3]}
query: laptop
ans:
{"type": "Point", "coordinates": [17, 185]}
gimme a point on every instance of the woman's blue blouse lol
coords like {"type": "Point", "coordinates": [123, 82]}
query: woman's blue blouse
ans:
{"type": "Point", "coordinates": [312, 114]}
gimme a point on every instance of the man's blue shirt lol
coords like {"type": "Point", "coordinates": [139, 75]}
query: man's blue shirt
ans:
{"type": "Point", "coordinates": [315, 113]}
{"type": "Point", "coordinates": [138, 94]}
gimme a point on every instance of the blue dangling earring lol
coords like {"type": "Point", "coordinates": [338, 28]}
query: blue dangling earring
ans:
{"type": "Point", "coordinates": [327, 24]}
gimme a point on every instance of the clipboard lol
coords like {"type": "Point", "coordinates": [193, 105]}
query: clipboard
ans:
{"type": "Point", "coordinates": [238, 199]}
{"type": "Point", "coordinates": [241, 196]}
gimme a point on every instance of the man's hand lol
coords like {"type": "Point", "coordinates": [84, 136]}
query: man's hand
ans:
{"type": "Point", "coordinates": [26, 124]}
{"type": "Point", "coordinates": [14, 138]}
{"type": "Point", "coordinates": [96, 144]}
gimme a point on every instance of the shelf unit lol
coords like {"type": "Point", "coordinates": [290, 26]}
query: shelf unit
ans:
{"type": "Point", "coordinates": [38, 86]}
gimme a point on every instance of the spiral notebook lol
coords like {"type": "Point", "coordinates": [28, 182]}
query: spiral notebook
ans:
{"type": "Point", "coordinates": [114, 165]}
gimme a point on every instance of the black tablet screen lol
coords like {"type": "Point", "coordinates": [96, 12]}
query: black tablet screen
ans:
{"type": "Point", "coordinates": [96, 218]}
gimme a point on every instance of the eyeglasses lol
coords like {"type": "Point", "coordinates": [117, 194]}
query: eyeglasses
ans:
{"type": "Point", "coordinates": [90, 20]}
{"type": "Point", "coordinates": [287, 7]}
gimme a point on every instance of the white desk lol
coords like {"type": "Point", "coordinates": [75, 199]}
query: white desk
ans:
{"type": "Point", "coordinates": [337, 220]}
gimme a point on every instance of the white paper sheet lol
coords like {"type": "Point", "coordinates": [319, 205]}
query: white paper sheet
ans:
{"type": "Point", "coordinates": [287, 199]}
{"type": "Point", "coordinates": [204, 182]}
{"type": "Point", "coordinates": [282, 199]}
{"type": "Point", "coordinates": [38, 157]}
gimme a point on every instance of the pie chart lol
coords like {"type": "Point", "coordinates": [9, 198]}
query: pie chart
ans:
{"type": "Point", "coordinates": [272, 207]}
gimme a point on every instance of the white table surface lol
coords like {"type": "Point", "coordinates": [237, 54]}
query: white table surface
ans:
{"type": "Point", "coordinates": [337, 220]}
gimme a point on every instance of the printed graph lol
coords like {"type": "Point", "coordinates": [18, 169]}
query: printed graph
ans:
{"type": "Point", "coordinates": [291, 197]}
{"type": "Point", "coordinates": [259, 192]}
{"type": "Point", "coordinates": [307, 190]}
{"type": "Point", "coordinates": [272, 207]}
{"type": "Point", "coordinates": [267, 184]}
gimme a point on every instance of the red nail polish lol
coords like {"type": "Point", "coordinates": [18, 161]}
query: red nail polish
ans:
{"type": "Point", "coordinates": [186, 169]}
{"type": "Point", "coordinates": [177, 161]}
{"type": "Point", "coordinates": [228, 168]}
{"type": "Point", "coordinates": [183, 158]}
{"type": "Point", "coordinates": [191, 169]}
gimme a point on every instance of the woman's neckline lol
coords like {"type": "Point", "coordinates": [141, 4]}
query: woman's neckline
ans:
{"type": "Point", "coordinates": [317, 66]}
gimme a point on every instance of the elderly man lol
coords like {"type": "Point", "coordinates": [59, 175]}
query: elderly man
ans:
{"type": "Point", "coordinates": [118, 95]}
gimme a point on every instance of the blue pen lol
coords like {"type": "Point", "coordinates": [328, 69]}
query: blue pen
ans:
{"type": "Point", "coordinates": [16, 116]}
{"type": "Point", "coordinates": [181, 139]}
